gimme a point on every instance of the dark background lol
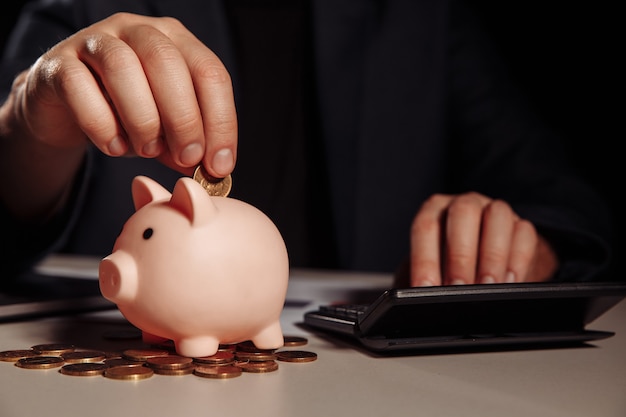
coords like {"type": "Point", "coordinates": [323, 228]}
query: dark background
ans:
{"type": "Point", "coordinates": [567, 60]}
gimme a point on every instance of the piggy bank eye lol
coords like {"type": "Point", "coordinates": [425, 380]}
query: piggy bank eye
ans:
{"type": "Point", "coordinates": [147, 234]}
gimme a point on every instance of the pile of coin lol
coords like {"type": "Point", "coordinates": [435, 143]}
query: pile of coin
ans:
{"type": "Point", "coordinates": [140, 363]}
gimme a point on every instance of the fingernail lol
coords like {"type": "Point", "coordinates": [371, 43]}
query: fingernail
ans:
{"type": "Point", "coordinates": [510, 277]}
{"type": "Point", "coordinates": [117, 146]}
{"type": "Point", "coordinates": [152, 148]}
{"type": "Point", "coordinates": [488, 280]}
{"type": "Point", "coordinates": [223, 162]}
{"type": "Point", "coordinates": [191, 154]}
{"type": "Point", "coordinates": [458, 282]}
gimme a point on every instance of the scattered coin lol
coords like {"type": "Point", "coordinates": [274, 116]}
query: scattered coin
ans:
{"type": "Point", "coordinates": [255, 356]}
{"type": "Point", "coordinates": [175, 372]}
{"type": "Point", "coordinates": [169, 362]}
{"type": "Point", "coordinates": [141, 355]}
{"type": "Point", "coordinates": [291, 341]}
{"type": "Point", "coordinates": [15, 355]}
{"type": "Point", "coordinates": [128, 373]}
{"type": "Point", "coordinates": [53, 349]}
{"type": "Point", "coordinates": [219, 187]}
{"type": "Point", "coordinates": [231, 360]}
{"type": "Point", "coordinates": [40, 362]}
{"type": "Point", "coordinates": [83, 356]}
{"type": "Point", "coordinates": [217, 372]}
{"type": "Point", "coordinates": [296, 356]}
{"type": "Point", "coordinates": [259, 367]}
{"type": "Point", "coordinates": [120, 362]}
{"type": "Point", "coordinates": [220, 357]}
{"type": "Point", "coordinates": [84, 369]}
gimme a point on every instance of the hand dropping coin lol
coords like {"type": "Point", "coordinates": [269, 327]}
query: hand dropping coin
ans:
{"type": "Point", "coordinates": [218, 187]}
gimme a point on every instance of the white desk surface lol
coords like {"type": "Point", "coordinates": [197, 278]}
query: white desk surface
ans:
{"type": "Point", "coordinates": [572, 382]}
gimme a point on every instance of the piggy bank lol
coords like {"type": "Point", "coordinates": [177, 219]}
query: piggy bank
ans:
{"type": "Point", "coordinates": [197, 270]}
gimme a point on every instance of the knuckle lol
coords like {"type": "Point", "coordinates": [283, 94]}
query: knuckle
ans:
{"type": "Point", "coordinates": [169, 21]}
{"type": "Point", "coordinates": [498, 206]}
{"type": "Point", "coordinates": [114, 57]}
{"type": "Point", "coordinates": [207, 70]}
{"type": "Point", "coordinates": [460, 261]}
{"type": "Point", "coordinates": [435, 200]}
{"type": "Point", "coordinates": [144, 128]}
{"type": "Point", "coordinates": [465, 204]}
{"type": "Point", "coordinates": [424, 224]}
{"type": "Point", "coordinates": [186, 125]}
{"type": "Point", "coordinates": [493, 255]}
{"type": "Point", "coordinates": [526, 227]}
{"type": "Point", "coordinates": [222, 124]}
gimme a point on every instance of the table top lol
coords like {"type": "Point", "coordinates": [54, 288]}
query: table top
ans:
{"type": "Point", "coordinates": [578, 381]}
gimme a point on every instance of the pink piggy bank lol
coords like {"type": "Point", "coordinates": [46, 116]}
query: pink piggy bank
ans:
{"type": "Point", "coordinates": [198, 270]}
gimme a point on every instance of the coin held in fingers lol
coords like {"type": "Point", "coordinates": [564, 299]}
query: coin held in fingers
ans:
{"type": "Point", "coordinates": [218, 187]}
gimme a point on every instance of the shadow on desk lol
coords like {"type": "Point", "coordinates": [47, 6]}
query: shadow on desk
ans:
{"type": "Point", "coordinates": [339, 341]}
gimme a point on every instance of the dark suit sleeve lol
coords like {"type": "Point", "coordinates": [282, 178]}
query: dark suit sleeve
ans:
{"type": "Point", "coordinates": [502, 149]}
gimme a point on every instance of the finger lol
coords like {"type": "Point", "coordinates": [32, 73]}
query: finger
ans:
{"type": "Point", "coordinates": [215, 96]}
{"type": "Point", "coordinates": [426, 235]}
{"type": "Point", "coordinates": [74, 84]}
{"type": "Point", "coordinates": [173, 92]}
{"type": "Point", "coordinates": [523, 249]}
{"type": "Point", "coordinates": [463, 224]}
{"type": "Point", "coordinates": [495, 242]}
{"type": "Point", "coordinates": [121, 73]}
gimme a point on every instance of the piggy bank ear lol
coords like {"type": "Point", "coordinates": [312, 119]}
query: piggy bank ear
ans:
{"type": "Point", "coordinates": [146, 190]}
{"type": "Point", "coordinates": [192, 200]}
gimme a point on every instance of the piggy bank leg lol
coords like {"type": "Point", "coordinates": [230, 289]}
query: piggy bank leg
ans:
{"type": "Point", "coordinates": [270, 337]}
{"type": "Point", "coordinates": [151, 339]}
{"type": "Point", "coordinates": [197, 347]}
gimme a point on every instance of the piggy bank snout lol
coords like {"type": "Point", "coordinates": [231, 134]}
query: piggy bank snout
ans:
{"type": "Point", "coordinates": [118, 277]}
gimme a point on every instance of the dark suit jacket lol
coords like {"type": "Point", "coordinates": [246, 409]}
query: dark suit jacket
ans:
{"type": "Point", "coordinates": [412, 102]}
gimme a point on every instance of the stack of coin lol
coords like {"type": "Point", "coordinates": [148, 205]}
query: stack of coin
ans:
{"type": "Point", "coordinates": [171, 365]}
{"type": "Point", "coordinates": [137, 364]}
{"type": "Point", "coordinates": [255, 360]}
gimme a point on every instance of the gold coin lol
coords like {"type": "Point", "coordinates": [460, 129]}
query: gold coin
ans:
{"type": "Point", "coordinates": [175, 372]}
{"type": "Point", "coordinates": [40, 362]}
{"type": "Point", "coordinates": [128, 372]}
{"type": "Point", "coordinates": [141, 355]}
{"type": "Point", "coordinates": [53, 349]}
{"type": "Point", "coordinates": [121, 362]}
{"type": "Point", "coordinates": [217, 372]}
{"type": "Point", "coordinates": [259, 367]}
{"type": "Point", "coordinates": [84, 356]}
{"type": "Point", "coordinates": [219, 187]}
{"type": "Point", "coordinates": [296, 356]}
{"type": "Point", "coordinates": [291, 341]}
{"type": "Point", "coordinates": [15, 355]}
{"type": "Point", "coordinates": [169, 362]}
{"type": "Point", "coordinates": [83, 369]}
{"type": "Point", "coordinates": [255, 356]}
{"type": "Point", "coordinates": [220, 357]}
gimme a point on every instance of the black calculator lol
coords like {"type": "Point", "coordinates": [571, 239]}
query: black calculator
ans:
{"type": "Point", "coordinates": [472, 316]}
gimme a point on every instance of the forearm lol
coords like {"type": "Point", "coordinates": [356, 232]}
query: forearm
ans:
{"type": "Point", "coordinates": [37, 177]}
